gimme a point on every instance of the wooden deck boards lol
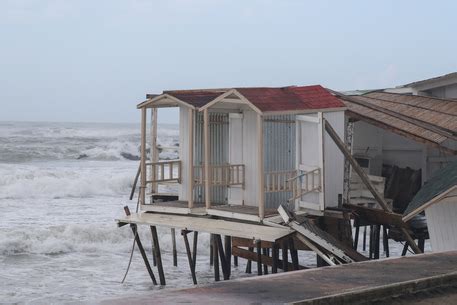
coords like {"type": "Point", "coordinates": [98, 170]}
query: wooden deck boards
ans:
{"type": "Point", "coordinates": [209, 225]}
{"type": "Point", "coordinates": [330, 285]}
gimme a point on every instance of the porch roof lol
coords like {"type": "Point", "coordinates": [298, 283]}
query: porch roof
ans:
{"type": "Point", "coordinates": [265, 99]}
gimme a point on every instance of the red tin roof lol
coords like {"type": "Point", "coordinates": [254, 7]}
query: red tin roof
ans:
{"type": "Point", "coordinates": [291, 98]}
{"type": "Point", "coordinates": [268, 99]}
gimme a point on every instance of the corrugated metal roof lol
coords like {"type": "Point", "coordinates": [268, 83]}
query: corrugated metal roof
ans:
{"type": "Point", "coordinates": [291, 98]}
{"type": "Point", "coordinates": [267, 99]}
{"type": "Point", "coordinates": [424, 119]}
{"type": "Point", "coordinates": [443, 180]}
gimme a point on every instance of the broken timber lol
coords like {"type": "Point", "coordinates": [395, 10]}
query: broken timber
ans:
{"type": "Point", "coordinates": [325, 245]}
{"type": "Point", "coordinates": [340, 144]}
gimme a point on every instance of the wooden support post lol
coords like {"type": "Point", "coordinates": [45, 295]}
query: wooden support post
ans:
{"type": "Point", "coordinates": [154, 152]}
{"type": "Point", "coordinates": [140, 247]}
{"type": "Point", "coordinates": [285, 256]}
{"type": "Point", "coordinates": [207, 158]}
{"type": "Point", "coordinates": [190, 168]}
{"type": "Point", "coordinates": [215, 260]}
{"type": "Point", "coordinates": [364, 246]}
{"type": "Point", "coordinates": [249, 263]}
{"type": "Point", "coordinates": [357, 229]}
{"type": "Point", "coordinates": [385, 238]}
{"type": "Point", "coordinates": [265, 266]}
{"type": "Point", "coordinates": [173, 245]}
{"type": "Point", "coordinates": [211, 249]}
{"type": "Point", "coordinates": [293, 253]}
{"type": "Point", "coordinates": [189, 256]}
{"type": "Point", "coordinates": [228, 253]}
{"type": "Point", "coordinates": [158, 255]}
{"type": "Point", "coordinates": [154, 261]}
{"type": "Point", "coordinates": [421, 244]}
{"type": "Point", "coordinates": [363, 176]}
{"type": "Point", "coordinates": [274, 256]}
{"type": "Point", "coordinates": [405, 249]}
{"type": "Point", "coordinates": [377, 232]}
{"type": "Point", "coordinates": [260, 177]}
{"type": "Point", "coordinates": [259, 257]}
{"type": "Point", "coordinates": [347, 166]}
{"type": "Point", "coordinates": [143, 157]}
{"type": "Point", "coordinates": [235, 260]}
{"type": "Point", "coordinates": [194, 252]}
{"type": "Point", "coordinates": [220, 249]}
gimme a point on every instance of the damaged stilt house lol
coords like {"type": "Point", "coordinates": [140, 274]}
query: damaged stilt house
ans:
{"type": "Point", "coordinates": [244, 152]}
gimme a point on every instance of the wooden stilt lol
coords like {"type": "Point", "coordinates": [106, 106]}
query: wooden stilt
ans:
{"type": "Point", "coordinates": [173, 244]}
{"type": "Point", "coordinates": [377, 231]}
{"type": "Point", "coordinates": [154, 262]}
{"type": "Point", "coordinates": [385, 239]}
{"type": "Point", "coordinates": [223, 261]}
{"type": "Point", "coordinates": [293, 253]}
{"type": "Point", "coordinates": [215, 260]}
{"type": "Point", "coordinates": [158, 255]}
{"type": "Point", "coordinates": [140, 247]}
{"type": "Point", "coordinates": [194, 252]}
{"type": "Point", "coordinates": [211, 249]}
{"type": "Point", "coordinates": [357, 229]}
{"type": "Point", "coordinates": [189, 256]}
{"type": "Point", "coordinates": [274, 256]}
{"type": "Point", "coordinates": [259, 257]}
{"type": "Point", "coordinates": [265, 266]}
{"type": "Point", "coordinates": [421, 244]}
{"type": "Point", "coordinates": [249, 263]}
{"type": "Point", "coordinates": [364, 246]}
{"type": "Point", "coordinates": [284, 257]}
{"type": "Point", "coordinates": [235, 260]}
{"type": "Point", "coordinates": [228, 253]}
{"type": "Point", "coordinates": [405, 249]}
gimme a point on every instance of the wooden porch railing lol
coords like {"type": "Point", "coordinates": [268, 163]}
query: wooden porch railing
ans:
{"type": "Point", "coordinates": [279, 181]}
{"type": "Point", "coordinates": [164, 171]}
{"type": "Point", "coordinates": [306, 182]}
{"type": "Point", "coordinates": [221, 175]}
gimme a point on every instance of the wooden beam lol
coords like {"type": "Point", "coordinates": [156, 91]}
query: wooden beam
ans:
{"type": "Point", "coordinates": [260, 177]}
{"type": "Point", "coordinates": [173, 245]}
{"type": "Point", "coordinates": [206, 146]}
{"type": "Point", "coordinates": [143, 157]}
{"type": "Point", "coordinates": [154, 151]}
{"type": "Point", "coordinates": [140, 247]}
{"type": "Point", "coordinates": [252, 256]}
{"type": "Point", "coordinates": [190, 167]}
{"type": "Point", "coordinates": [158, 255]}
{"type": "Point", "coordinates": [189, 256]}
{"type": "Point", "coordinates": [363, 176]}
{"type": "Point", "coordinates": [259, 257]}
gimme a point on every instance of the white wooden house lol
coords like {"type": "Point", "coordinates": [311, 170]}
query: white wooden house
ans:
{"type": "Point", "coordinates": [438, 198]}
{"type": "Point", "coordinates": [244, 151]}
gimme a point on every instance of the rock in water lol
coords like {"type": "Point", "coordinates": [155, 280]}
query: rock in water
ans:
{"type": "Point", "coordinates": [130, 156]}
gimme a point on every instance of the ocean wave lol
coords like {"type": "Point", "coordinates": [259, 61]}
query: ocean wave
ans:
{"type": "Point", "coordinates": [66, 181]}
{"type": "Point", "coordinates": [27, 142]}
{"type": "Point", "coordinates": [85, 238]}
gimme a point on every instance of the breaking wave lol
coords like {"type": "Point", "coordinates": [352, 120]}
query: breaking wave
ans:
{"type": "Point", "coordinates": [66, 181]}
{"type": "Point", "coordinates": [24, 142]}
{"type": "Point", "coordinates": [87, 238]}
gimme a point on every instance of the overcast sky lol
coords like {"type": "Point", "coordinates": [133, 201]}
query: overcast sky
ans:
{"type": "Point", "coordinates": [93, 61]}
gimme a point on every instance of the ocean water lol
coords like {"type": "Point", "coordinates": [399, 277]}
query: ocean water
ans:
{"type": "Point", "coordinates": [61, 187]}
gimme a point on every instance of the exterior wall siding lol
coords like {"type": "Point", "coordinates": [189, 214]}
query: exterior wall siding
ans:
{"type": "Point", "coordinates": [442, 226]}
{"type": "Point", "coordinates": [279, 152]}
